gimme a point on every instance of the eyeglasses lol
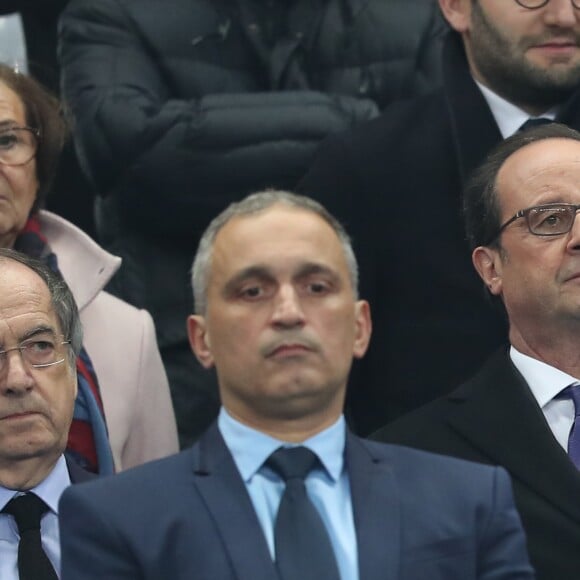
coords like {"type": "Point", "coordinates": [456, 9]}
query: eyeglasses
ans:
{"type": "Point", "coordinates": [535, 4]}
{"type": "Point", "coordinates": [38, 354]}
{"type": "Point", "coordinates": [552, 219]}
{"type": "Point", "coordinates": [18, 145]}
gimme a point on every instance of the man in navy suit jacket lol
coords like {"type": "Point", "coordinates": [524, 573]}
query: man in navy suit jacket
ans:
{"type": "Point", "coordinates": [277, 314]}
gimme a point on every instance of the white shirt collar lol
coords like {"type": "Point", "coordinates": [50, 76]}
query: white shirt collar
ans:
{"type": "Point", "coordinates": [544, 380]}
{"type": "Point", "coordinates": [508, 117]}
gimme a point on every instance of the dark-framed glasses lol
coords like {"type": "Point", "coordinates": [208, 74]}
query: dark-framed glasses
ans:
{"type": "Point", "coordinates": [37, 354]}
{"type": "Point", "coordinates": [535, 4]}
{"type": "Point", "coordinates": [18, 145]}
{"type": "Point", "coordinates": [552, 219]}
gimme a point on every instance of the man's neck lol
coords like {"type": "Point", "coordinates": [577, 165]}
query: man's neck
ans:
{"type": "Point", "coordinates": [26, 474]}
{"type": "Point", "coordinates": [561, 352]}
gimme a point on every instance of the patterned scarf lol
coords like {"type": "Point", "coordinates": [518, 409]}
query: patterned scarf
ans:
{"type": "Point", "coordinates": [88, 441]}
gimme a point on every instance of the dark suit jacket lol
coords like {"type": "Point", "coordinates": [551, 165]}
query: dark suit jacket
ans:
{"type": "Point", "coordinates": [396, 184]}
{"type": "Point", "coordinates": [418, 516]}
{"type": "Point", "coordinates": [76, 473]}
{"type": "Point", "coordinates": [494, 418]}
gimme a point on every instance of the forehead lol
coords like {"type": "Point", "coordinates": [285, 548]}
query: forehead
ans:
{"type": "Point", "coordinates": [11, 105]}
{"type": "Point", "coordinates": [544, 171]}
{"type": "Point", "coordinates": [24, 299]}
{"type": "Point", "coordinates": [277, 237]}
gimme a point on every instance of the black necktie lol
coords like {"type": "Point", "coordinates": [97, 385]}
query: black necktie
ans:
{"type": "Point", "coordinates": [303, 548]}
{"type": "Point", "coordinates": [534, 122]}
{"type": "Point", "coordinates": [33, 563]}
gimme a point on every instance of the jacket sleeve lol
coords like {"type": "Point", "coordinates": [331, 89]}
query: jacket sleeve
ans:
{"type": "Point", "coordinates": [503, 552]}
{"type": "Point", "coordinates": [166, 156]}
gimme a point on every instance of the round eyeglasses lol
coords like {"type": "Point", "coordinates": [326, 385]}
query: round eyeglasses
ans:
{"type": "Point", "coordinates": [552, 219]}
{"type": "Point", "coordinates": [535, 4]}
{"type": "Point", "coordinates": [18, 145]}
{"type": "Point", "coordinates": [38, 354]}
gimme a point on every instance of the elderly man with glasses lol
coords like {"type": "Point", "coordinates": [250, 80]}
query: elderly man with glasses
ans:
{"type": "Point", "coordinates": [397, 184]}
{"type": "Point", "coordinates": [40, 338]}
{"type": "Point", "coordinates": [522, 409]}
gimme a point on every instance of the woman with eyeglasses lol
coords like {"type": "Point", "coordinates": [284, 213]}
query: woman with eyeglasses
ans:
{"type": "Point", "coordinates": [123, 413]}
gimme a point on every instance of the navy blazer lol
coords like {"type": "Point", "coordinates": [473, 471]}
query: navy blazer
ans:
{"type": "Point", "coordinates": [189, 516]}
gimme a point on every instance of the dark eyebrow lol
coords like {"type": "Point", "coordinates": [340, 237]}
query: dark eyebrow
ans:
{"type": "Point", "coordinates": [258, 272]}
{"type": "Point", "coordinates": [265, 273]}
{"type": "Point", "coordinates": [42, 329]}
{"type": "Point", "coordinates": [8, 124]}
{"type": "Point", "coordinates": [311, 268]}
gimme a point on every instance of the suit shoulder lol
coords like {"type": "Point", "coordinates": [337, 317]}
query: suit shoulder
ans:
{"type": "Point", "coordinates": [402, 453]}
{"type": "Point", "coordinates": [148, 478]}
{"type": "Point", "coordinates": [416, 425]}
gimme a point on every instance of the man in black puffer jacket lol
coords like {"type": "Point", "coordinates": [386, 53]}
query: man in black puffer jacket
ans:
{"type": "Point", "coordinates": [183, 106]}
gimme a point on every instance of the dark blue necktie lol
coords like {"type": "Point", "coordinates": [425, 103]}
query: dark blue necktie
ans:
{"type": "Point", "coordinates": [33, 563]}
{"type": "Point", "coordinates": [303, 548]}
{"type": "Point", "coordinates": [573, 392]}
{"type": "Point", "coordinates": [534, 122]}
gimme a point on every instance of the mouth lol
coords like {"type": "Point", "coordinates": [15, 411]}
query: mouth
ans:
{"type": "Point", "coordinates": [289, 350]}
{"type": "Point", "coordinates": [19, 415]}
{"type": "Point", "coordinates": [556, 46]}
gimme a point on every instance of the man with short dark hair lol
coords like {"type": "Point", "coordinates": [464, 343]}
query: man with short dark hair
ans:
{"type": "Point", "coordinates": [40, 336]}
{"type": "Point", "coordinates": [521, 410]}
{"type": "Point", "coordinates": [278, 488]}
{"type": "Point", "coordinates": [396, 183]}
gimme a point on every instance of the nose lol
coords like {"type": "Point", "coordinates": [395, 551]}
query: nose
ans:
{"type": "Point", "coordinates": [15, 376]}
{"type": "Point", "coordinates": [561, 13]}
{"type": "Point", "coordinates": [288, 311]}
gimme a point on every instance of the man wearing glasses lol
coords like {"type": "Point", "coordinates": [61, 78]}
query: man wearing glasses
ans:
{"type": "Point", "coordinates": [522, 409]}
{"type": "Point", "coordinates": [397, 185]}
{"type": "Point", "coordinates": [40, 337]}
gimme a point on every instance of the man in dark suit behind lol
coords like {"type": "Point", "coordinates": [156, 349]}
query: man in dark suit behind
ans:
{"type": "Point", "coordinates": [40, 336]}
{"type": "Point", "coordinates": [516, 412]}
{"type": "Point", "coordinates": [275, 284]}
{"type": "Point", "coordinates": [396, 184]}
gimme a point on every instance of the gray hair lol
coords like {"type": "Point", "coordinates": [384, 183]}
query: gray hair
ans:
{"type": "Point", "coordinates": [252, 204]}
{"type": "Point", "coordinates": [61, 298]}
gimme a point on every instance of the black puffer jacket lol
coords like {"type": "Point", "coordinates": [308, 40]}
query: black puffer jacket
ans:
{"type": "Point", "coordinates": [179, 109]}
{"type": "Point", "coordinates": [182, 106]}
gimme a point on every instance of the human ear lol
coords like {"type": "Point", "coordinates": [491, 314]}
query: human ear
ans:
{"type": "Point", "coordinates": [199, 340]}
{"type": "Point", "coordinates": [363, 328]}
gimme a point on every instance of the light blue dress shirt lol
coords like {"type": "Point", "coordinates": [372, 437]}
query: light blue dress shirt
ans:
{"type": "Point", "coordinates": [49, 491]}
{"type": "Point", "coordinates": [328, 487]}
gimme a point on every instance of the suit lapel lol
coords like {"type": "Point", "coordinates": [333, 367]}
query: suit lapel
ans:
{"type": "Point", "coordinates": [76, 473]}
{"type": "Point", "coordinates": [376, 507]}
{"type": "Point", "coordinates": [497, 413]}
{"type": "Point", "coordinates": [463, 98]}
{"type": "Point", "coordinates": [226, 497]}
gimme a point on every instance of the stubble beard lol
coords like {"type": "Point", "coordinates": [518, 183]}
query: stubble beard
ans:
{"type": "Point", "coordinates": [506, 71]}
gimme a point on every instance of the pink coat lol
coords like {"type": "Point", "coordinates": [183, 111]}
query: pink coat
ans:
{"type": "Point", "coordinates": [120, 339]}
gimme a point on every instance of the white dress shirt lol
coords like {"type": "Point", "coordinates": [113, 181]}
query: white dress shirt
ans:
{"type": "Point", "coordinates": [49, 491]}
{"type": "Point", "coordinates": [546, 382]}
{"type": "Point", "coordinates": [508, 117]}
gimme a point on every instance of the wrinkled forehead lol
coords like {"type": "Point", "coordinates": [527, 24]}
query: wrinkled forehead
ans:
{"type": "Point", "coordinates": [275, 235]}
{"type": "Point", "coordinates": [12, 109]}
{"type": "Point", "coordinates": [25, 300]}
